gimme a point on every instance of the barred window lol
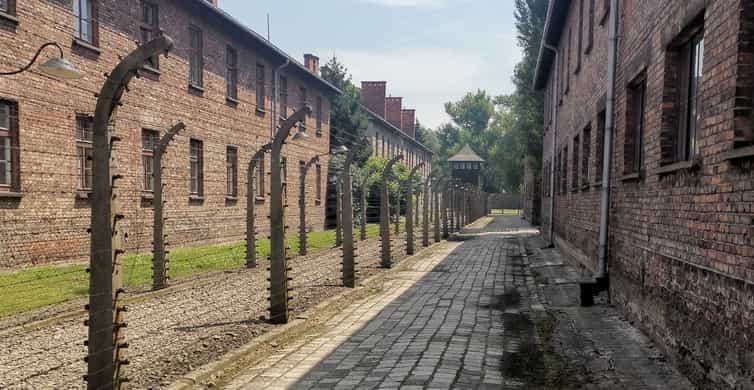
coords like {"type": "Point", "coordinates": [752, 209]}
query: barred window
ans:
{"type": "Point", "coordinates": [196, 57]}
{"type": "Point", "coordinates": [575, 162]}
{"type": "Point", "coordinates": [260, 90]}
{"type": "Point", "coordinates": [283, 97]}
{"type": "Point", "coordinates": [9, 149]}
{"type": "Point", "coordinates": [691, 71]}
{"type": "Point", "coordinates": [150, 28]}
{"type": "Point", "coordinates": [586, 153]}
{"type": "Point", "coordinates": [260, 177]}
{"type": "Point", "coordinates": [319, 116]}
{"type": "Point", "coordinates": [84, 141]}
{"type": "Point", "coordinates": [231, 73]}
{"type": "Point", "coordinates": [318, 184]}
{"type": "Point", "coordinates": [633, 143]}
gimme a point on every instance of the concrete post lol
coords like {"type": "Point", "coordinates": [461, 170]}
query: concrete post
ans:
{"type": "Point", "coordinates": [446, 203]}
{"type": "Point", "coordinates": [251, 234]}
{"type": "Point", "coordinates": [349, 264]}
{"type": "Point", "coordinates": [159, 259]}
{"type": "Point", "coordinates": [302, 239]}
{"type": "Point", "coordinates": [386, 261]}
{"type": "Point", "coordinates": [278, 259]}
{"type": "Point", "coordinates": [397, 221]}
{"type": "Point", "coordinates": [363, 226]}
{"type": "Point", "coordinates": [338, 212]}
{"type": "Point", "coordinates": [436, 209]}
{"type": "Point", "coordinates": [425, 210]}
{"type": "Point", "coordinates": [410, 210]}
{"type": "Point", "coordinates": [106, 340]}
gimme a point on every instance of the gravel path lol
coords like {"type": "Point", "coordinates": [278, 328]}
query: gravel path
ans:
{"type": "Point", "coordinates": [180, 329]}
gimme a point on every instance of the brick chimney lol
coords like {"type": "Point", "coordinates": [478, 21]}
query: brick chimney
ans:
{"type": "Point", "coordinates": [312, 63]}
{"type": "Point", "coordinates": [373, 96]}
{"type": "Point", "coordinates": [393, 106]}
{"type": "Point", "coordinates": [408, 121]}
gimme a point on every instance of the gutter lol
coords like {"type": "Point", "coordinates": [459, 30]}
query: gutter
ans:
{"type": "Point", "coordinates": [612, 58]}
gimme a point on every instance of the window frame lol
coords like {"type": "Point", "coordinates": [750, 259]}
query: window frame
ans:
{"type": "Point", "coordinates": [196, 160]}
{"type": "Point", "coordinates": [260, 190]}
{"type": "Point", "coordinates": [84, 151]}
{"type": "Point", "coordinates": [579, 47]}
{"type": "Point", "coordinates": [319, 114]}
{"type": "Point", "coordinates": [231, 73]}
{"type": "Point", "coordinates": [586, 153]}
{"type": "Point", "coordinates": [302, 97]}
{"type": "Point", "coordinates": [10, 8]}
{"type": "Point", "coordinates": [636, 122]}
{"type": "Point", "coordinates": [147, 155]}
{"type": "Point", "coordinates": [231, 171]}
{"type": "Point", "coordinates": [590, 28]}
{"type": "Point", "coordinates": [318, 183]}
{"type": "Point", "coordinates": [576, 159]}
{"type": "Point", "coordinates": [91, 36]}
{"type": "Point", "coordinates": [283, 97]}
{"type": "Point", "coordinates": [599, 160]}
{"type": "Point", "coordinates": [11, 147]}
{"type": "Point", "coordinates": [261, 74]}
{"type": "Point", "coordinates": [689, 96]}
{"type": "Point", "coordinates": [149, 31]}
{"type": "Point", "coordinates": [196, 57]}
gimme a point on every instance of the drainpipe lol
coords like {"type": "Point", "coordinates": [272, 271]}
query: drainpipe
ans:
{"type": "Point", "coordinates": [612, 54]}
{"type": "Point", "coordinates": [275, 97]}
{"type": "Point", "coordinates": [554, 141]}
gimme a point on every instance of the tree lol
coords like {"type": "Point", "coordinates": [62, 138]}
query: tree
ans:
{"type": "Point", "coordinates": [347, 121]}
{"type": "Point", "coordinates": [473, 112]}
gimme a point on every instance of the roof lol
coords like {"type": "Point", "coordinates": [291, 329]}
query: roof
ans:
{"type": "Point", "coordinates": [557, 12]}
{"type": "Point", "coordinates": [252, 35]}
{"type": "Point", "coordinates": [390, 126]}
{"type": "Point", "coordinates": [466, 154]}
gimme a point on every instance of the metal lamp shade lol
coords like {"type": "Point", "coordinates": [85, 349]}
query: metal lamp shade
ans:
{"type": "Point", "coordinates": [61, 68]}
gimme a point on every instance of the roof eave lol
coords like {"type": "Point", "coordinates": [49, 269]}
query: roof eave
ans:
{"type": "Point", "coordinates": [390, 126]}
{"type": "Point", "coordinates": [557, 11]}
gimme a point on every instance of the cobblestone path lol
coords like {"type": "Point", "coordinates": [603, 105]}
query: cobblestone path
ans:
{"type": "Point", "coordinates": [455, 319]}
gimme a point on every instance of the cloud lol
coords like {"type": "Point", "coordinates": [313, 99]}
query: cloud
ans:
{"type": "Point", "coordinates": [408, 3]}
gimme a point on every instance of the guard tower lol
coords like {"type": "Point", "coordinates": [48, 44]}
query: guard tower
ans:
{"type": "Point", "coordinates": [466, 166]}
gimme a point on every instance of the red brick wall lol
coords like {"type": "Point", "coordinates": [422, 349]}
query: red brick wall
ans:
{"type": "Point", "coordinates": [681, 242]}
{"type": "Point", "coordinates": [408, 121]}
{"type": "Point", "coordinates": [373, 96]}
{"type": "Point", "coordinates": [49, 223]}
{"type": "Point", "coordinates": [393, 106]}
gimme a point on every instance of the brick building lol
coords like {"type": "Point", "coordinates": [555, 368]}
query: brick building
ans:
{"type": "Point", "coordinates": [219, 80]}
{"type": "Point", "coordinates": [680, 232]}
{"type": "Point", "coordinates": [392, 129]}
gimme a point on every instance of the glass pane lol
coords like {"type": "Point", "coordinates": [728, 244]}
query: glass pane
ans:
{"type": "Point", "coordinates": [4, 5]}
{"type": "Point", "coordinates": [5, 161]}
{"type": "Point", "coordinates": [4, 116]}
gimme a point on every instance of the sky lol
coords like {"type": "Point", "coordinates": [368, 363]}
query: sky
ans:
{"type": "Point", "coordinates": [429, 51]}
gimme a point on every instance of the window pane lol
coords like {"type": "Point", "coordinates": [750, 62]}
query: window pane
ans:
{"type": "Point", "coordinates": [84, 128]}
{"type": "Point", "coordinates": [260, 86]}
{"type": "Point", "coordinates": [260, 177]}
{"type": "Point", "coordinates": [4, 5]}
{"type": "Point", "coordinates": [4, 116]}
{"type": "Point", "coordinates": [5, 161]}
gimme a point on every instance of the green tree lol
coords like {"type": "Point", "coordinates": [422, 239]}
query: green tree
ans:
{"type": "Point", "coordinates": [347, 121]}
{"type": "Point", "coordinates": [473, 112]}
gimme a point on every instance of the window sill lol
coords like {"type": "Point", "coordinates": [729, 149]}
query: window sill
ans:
{"type": "Point", "coordinates": [11, 195]}
{"type": "Point", "coordinates": [318, 202]}
{"type": "Point", "coordinates": [679, 166]}
{"type": "Point", "coordinates": [636, 176]}
{"type": "Point", "coordinates": [150, 71]}
{"type": "Point", "coordinates": [259, 199]}
{"type": "Point", "coordinates": [261, 111]}
{"type": "Point", "coordinates": [585, 187]}
{"type": "Point", "coordinates": [318, 133]}
{"type": "Point", "coordinates": [8, 17]}
{"type": "Point", "coordinates": [87, 46]}
{"type": "Point", "coordinates": [83, 194]}
{"type": "Point", "coordinates": [231, 198]}
{"type": "Point", "coordinates": [196, 198]}
{"type": "Point", "coordinates": [195, 88]}
{"type": "Point", "coordinates": [575, 189]}
{"type": "Point", "coordinates": [588, 49]}
{"type": "Point", "coordinates": [231, 101]}
{"type": "Point", "coordinates": [147, 195]}
{"type": "Point", "coordinates": [738, 154]}
{"type": "Point", "coordinates": [597, 184]}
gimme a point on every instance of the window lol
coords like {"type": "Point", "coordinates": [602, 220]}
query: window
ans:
{"type": "Point", "coordinates": [197, 167]}
{"type": "Point", "coordinates": [600, 144]}
{"type": "Point", "coordinates": [260, 177]}
{"type": "Point", "coordinates": [580, 37]}
{"type": "Point", "coordinates": [558, 166]}
{"type": "Point", "coordinates": [149, 141]}
{"type": "Point", "coordinates": [564, 173]}
{"type": "Point", "coordinates": [85, 21]}
{"type": "Point", "coordinates": [9, 148]}
{"type": "Point", "coordinates": [231, 73]}
{"type": "Point", "coordinates": [590, 28]}
{"type": "Point", "coordinates": [283, 97]}
{"type": "Point", "coordinates": [260, 87]}
{"type": "Point", "coordinates": [586, 153]}
{"type": "Point", "coordinates": [8, 6]}
{"type": "Point", "coordinates": [319, 116]}
{"type": "Point", "coordinates": [231, 165]}
{"type": "Point", "coordinates": [568, 63]}
{"type": "Point", "coordinates": [84, 140]}
{"type": "Point", "coordinates": [318, 183]}
{"type": "Point", "coordinates": [633, 143]}
{"type": "Point", "coordinates": [284, 176]}
{"type": "Point", "coordinates": [691, 72]}
{"type": "Point", "coordinates": [575, 162]}
{"type": "Point", "coordinates": [196, 59]}
{"type": "Point", "coordinates": [150, 28]}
